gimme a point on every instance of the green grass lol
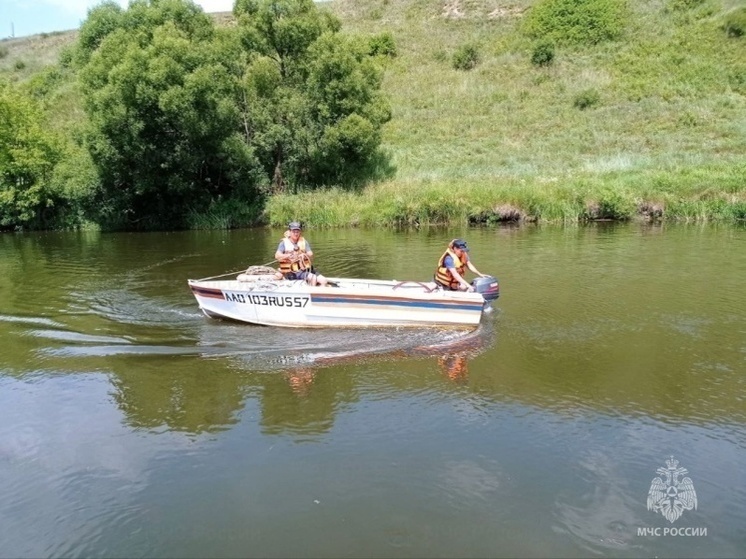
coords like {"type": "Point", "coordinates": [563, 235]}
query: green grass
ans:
{"type": "Point", "coordinates": [667, 105]}
{"type": "Point", "coordinates": [703, 193]}
{"type": "Point", "coordinates": [652, 125]}
{"type": "Point", "coordinates": [34, 53]}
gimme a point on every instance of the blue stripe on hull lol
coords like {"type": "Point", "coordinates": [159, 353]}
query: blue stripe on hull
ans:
{"type": "Point", "coordinates": [316, 299]}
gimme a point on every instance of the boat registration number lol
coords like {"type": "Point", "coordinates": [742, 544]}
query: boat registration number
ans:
{"type": "Point", "coordinates": [267, 300]}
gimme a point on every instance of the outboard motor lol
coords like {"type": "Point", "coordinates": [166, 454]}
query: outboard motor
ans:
{"type": "Point", "coordinates": [488, 287]}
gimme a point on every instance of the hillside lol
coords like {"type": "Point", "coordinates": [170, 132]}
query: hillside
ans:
{"type": "Point", "coordinates": [670, 96]}
{"type": "Point", "coordinates": [651, 123]}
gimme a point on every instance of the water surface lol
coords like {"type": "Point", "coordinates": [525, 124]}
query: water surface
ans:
{"type": "Point", "coordinates": [133, 426]}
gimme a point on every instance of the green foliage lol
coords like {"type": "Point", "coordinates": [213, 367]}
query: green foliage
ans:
{"type": "Point", "coordinates": [163, 118]}
{"type": "Point", "coordinates": [683, 5]}
{"type": "Point", "coordinates": [28, 155]}
{"type": "Point", "coordinates": [312, 105]}
{"type": "Point", "coordinates": [67, 56]}
{"type": "Point", "coordinates": [20, 65]}
{"type": "Point", "coordinates": [139, 22]}
{"type": "Point", "coordinates": [737, 80]}
{"type": "Point", "coordinates": [184, 117]}
{"type": "Point", "coordinates": [283, 30]}
{"type": "Point", "coordinates": [465, 57]}
{"type": "Point", "coordinates": [223, 214]}
{"type": "Point", "coordinates": [45, 82]}
{"type": "Point", "coordinates": [610, 203]}
{"type": "Point", "coordinates": [517, 147]}
{"type": "Point", "coordinates": [686, 11]}
{"type": "Point", "coordinates": [382, 44]}
{"type": "Point", "coordinates": [345, 149]}
{"type": "Point", "coordinates": [586, 99]}
{"type": "Point", "coordinates": [343, 89]}
{"type": "Point", "coordinates": [576, 22]}
{"type": "Point", "coordinates": [543, 54]}
{"type": "Point", "coordinates": [102, 20]}
{"type": "Point", "coordinates": [3, 51]}
{"type": "Point", "coordinates": [735, 23]}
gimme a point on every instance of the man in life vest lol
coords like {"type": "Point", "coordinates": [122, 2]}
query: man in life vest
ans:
{"type": "Point", "coordinates": [294, 256]}
{"type": "Point", "coordinates": [451, 267]}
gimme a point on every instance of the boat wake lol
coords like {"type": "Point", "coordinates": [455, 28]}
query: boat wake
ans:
{"type": "Point", "coordinates": [118, 321]}
{"type": "Point", "coordinates": [259, 348]}
{"type": "Point", "coordinates": [267, 348]}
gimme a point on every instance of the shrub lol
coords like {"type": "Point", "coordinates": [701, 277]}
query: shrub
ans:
{"type": "Point", "coordinates": [610, 204]}
{"type": "Point", "coordinates": [3, 52]}
{"type": "Point", "coordinates": [587, 99]}
{"type": "Point", "coordinates": [466, 57]}
{"type": "Point", "coordinates": [20, 65]}
{"type": "Point", "coordinates": [382, 44]}
{"type": "Point", "coordinates": [687, 11]}
{"type": "Point", "coordinates": [683, 5]}
{"type": "Point", "coordinates": [543, 54]}
{"type": "Point", "coordinates": [735, 23]}
{"type": "Point", "coordinates": [67, 55]}
{"type": "Point", "coordinates": [737, 80]}
{"type": "Point", "coordinates": [576, 21]}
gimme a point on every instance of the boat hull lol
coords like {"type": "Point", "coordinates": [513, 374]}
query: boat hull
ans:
{"type": "Point", "coordinates": [349, 303]}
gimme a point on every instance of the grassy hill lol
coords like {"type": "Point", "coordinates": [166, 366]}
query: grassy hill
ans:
{"type": "Point", "coordinates": [652, 123]}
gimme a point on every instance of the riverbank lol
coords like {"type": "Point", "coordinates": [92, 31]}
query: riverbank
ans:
{"type": "Point", "coordinates": [651, 125]}
{"type": "Point", "coordinates": [648, 127]}
{"type": "Point", "coordinates": [708, 193]}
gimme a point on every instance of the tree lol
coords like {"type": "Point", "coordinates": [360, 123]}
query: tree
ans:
{"type": "Point", "coordinates": [184, 116]}
{"type": "Point", "coordinates": [160, 97]}
{"type": "Point", "coordinates": [28, 155]}
{"type": "Point", "coordinates": [343, 88]}
{"type": "Point", "coordinates": [311, 102]}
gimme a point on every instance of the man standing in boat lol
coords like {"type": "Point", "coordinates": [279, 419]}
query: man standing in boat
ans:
{"type": "Point", "coordinates": [294, 256]}
{"type": "Point", "coordinates": [452, 265]}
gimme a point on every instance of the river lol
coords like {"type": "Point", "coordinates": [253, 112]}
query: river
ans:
{"type": "Point", "coordinates": [609, 375]}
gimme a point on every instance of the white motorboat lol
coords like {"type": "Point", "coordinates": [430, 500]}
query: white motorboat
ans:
{"type": "Point", "coordinates": [261, 299]}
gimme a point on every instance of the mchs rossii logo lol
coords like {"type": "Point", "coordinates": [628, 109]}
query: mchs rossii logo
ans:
{"type": "Point", "coordinates": [670, 494]}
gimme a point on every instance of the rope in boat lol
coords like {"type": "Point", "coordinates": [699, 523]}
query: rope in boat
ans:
{"type": "Point", "coordinates": [236, 272]}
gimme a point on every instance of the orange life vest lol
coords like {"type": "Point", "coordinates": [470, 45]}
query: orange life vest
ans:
{"type": "Point", "coordinates": [443, 275]}
{"type": "Point", "coordinates": [456, 367]}
{"type": "Point", "coordinates": [303, 262]}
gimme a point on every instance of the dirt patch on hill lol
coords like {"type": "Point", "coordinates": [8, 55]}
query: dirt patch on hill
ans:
{"type": "Point", "coordinates": [458, 9]}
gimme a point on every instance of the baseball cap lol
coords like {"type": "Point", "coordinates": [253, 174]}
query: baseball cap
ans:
{"type": "Point", "coordinates": [460, 243]}
{"type": "Point", "coordinates": [294, 225]}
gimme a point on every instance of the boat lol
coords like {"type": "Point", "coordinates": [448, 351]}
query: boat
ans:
{"type": "Point", "coordinates": [259, 298]}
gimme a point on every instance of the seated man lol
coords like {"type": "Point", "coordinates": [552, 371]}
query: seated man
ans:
{"type": "Point", "coordinates": [452, 265]}
{"type": "Point", "coordinates": [294, 255]}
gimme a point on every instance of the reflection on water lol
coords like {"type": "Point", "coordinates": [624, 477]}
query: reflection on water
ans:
{"type": "Point", "coordinates": [134, 426]}
{"type": "Point", "coordinates": [300, 380]}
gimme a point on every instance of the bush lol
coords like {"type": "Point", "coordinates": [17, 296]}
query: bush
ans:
{"type": "Point", "coordinates": [543, 54]}
{"type": "Point", "coordinates": [683, 5]}
{"type": "Point", "coordinates": [67, 55]}
{"type": "Point", "coordinates": [3, 52]}
{"type": "Point", "coordinates": [382, 44]}
{"type": "Point", "coordinates": [688, 11]}
{"type": "Point", "coordinates": [466, 57]}
{"type": "Point", "coordinates": [576, 21]}
{"type": "Point", "coordinates": [737, 80]}
{"type": "Point", "coordinates": [20, 65]}
{"type": "Point", "coordinates": [735, 23]}
{"type": "Point", "coordinates": [587, 99]}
